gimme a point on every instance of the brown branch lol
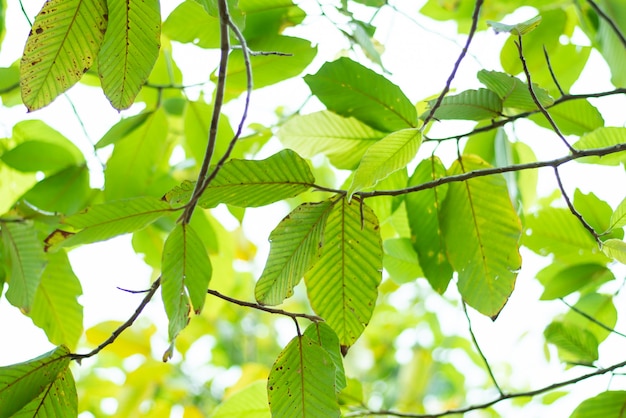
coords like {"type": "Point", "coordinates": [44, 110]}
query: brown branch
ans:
{"type": "Point", "coordinates": [572, 209]}
{"type": "Point", "coordinates": [457, 64]}
{"type": "Point", "coordinates": [596, 152]}
{"type": "Point", "coordinates": [485, 405]}
{"type": "Point", "coordinates": [257, 306]}
{"type": "Point", "coordinates": [531, 90]}
{"type": "Point", "coordinates": [552, 74]}
{"type": "Point", "coordinates": [610, 21]}
{"type": "Point", "coordinates": [150, 293]}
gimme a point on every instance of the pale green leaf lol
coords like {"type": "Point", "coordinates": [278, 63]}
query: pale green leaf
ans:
{"type": "Point", "coordinates": [400, 260]}
{"type": "Point", "coordinates": [294, 247]}
{"type": "Point", "coordinates": [364, 39]}
{"type": "Point", "coordinates": [56, 309]}
{"type": "Point", "coordinates": [21, 383]}
{"type": "Point", "coordinates": [58, 400]}
{"type": "Point", "coordinates": [342, 286]}
{"type": "Point", "coordinates": [390, 154]}
{"type": "Point", "coordinates": [189, 22]}
{"type": "Point", "coordinates": [342, 140]}
{"type": "Point", "coordinates": [618, 218]}
{"type": "Point", "coordinates": [107, 220]}
{"type": "Point", "coordinates": [122, 129]}
{"type": "Point", "coordinates": [481, 231]}
{"type": "Point", "coordinates": [249, 402]}
{"type": "Point", "coordinates": [322, 334]}
{"type": "Point", "coordinates": [468, 105]}
{"type": "Point", "coordinates": [61, 47]}
{"type": "Point", "coordinates": [424, 214]}
{"type": "Point", "coordinates": [560, 282]}
{"type": "Point", "coordinates": [616, 249]}
{"type": "Point", "coordinates": [64, 192]}
{"type": "Point", "coordinates": [518, 29]}
{"type": "Point", "coordinates": [607, 41]}
{"type": "Point", "coordinates": [600, 138]}
{"type": "Point", "coordinates": [129, 49]}
{"type": "Point", "coordinates": [609, 404]}
{"type": "Point", "coordinates": [514, 92]}
{"type": "Point", "coordinates": [598, 306]}
{"type": "Point", "coordinates": [186, 271]}
{"type": "Point", "coordinates": [350, 89]}
{"type": "Point", "coordinates": [576, 345]}
{"type": "Point", "coordinates": [596, 212]}
{"type": "Point", "coordinates": [302, 382]}
{"type": "Point", "coordinates": [24, 254]}
{"type": "Point", "coordinates": [250, 183]}
{"type": "Point", "coordinates": [575, 117]}
{"type": "Point", "coordinates": [198, 116]}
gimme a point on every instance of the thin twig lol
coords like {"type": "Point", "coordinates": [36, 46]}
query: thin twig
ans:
{"type": "Point", "coordinates": [492, 402]}
{"type": "Point", "coordinates": [457, 64]}
{"type": "Point", "coordinates": [610, 21]}
{"type": "Point", "coordinates": [30, 23]}
{"type": "Point", "coordinates": [121, 328]}
{"type": "Point", "coordinates": [531, 90]}
{"type": "Point", "coordinates": [480, 352]}
{"type": "Point", "coordinates": [592, 319]}
{"type": "Point", "coordinates": [552, 74]}
{"type": "Point", "coordinates": [312, 318]}
{"type": "Point", "coordinates": [596, 152]}
{"type": "Point", "coordinates": [260, 53]}
{"type": "Point", "coordinates": [217, 109]}
{"type": "Point", "coordinates": [572, 209]}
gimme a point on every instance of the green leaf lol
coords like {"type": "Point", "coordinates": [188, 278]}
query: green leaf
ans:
{"type": "Point", "coordinates": [295, 246]}
{"type": "Point", "coordinates": [198, 116]}
{"type": "Point", "coordinates": [469, 105]}
{"type": "Point", "coordinates": [55, 308]}
{"type": "Point", "coordinates": [122, 129]}
{"type": "Point", "coordinates": [424, 214]}
{"type": "Point", "coordinates": [267, 17]}
{"type": "Point", "coordinates": [513, 92]}
{"type": "Point", "coordinates": [558, 284]}
{"type": "Point", "coordinates": [26, 260]}
{"type": "Point", "coordinates": [384, 157]}
{"type": "Point", "coordinates": [350, 89]}
{"type": "Point", "coordinates": [24, 382]}
{"type": "Point", "coordinates": [615, 249]}
{"type": "Point", "coordinates": [609, 404]}
{"type": "Point", "coordinates": [189, 22]}
{"type": "Point", "coordinates": [575, 117]}
{"type": "Point", "coordinates": [600, 138]}
{"type": "Point", "coordinates": [342, 285]}
{"type": "Point", "coordinates": [129, 49]}
{"type": "Point", "coordinates": [107, 220]}
{"type": "Point", "coordinates": [58, 400]}
{"type": "Point", "coordinates": [342, 140]}
{"type": "Point", "coordinates": [249, 402]}
{"type": "Point", "coordinates": [596, 212]}
{"type": "Point", "coordinates": [60, 48]}
{"type": "Point", "coordinates": [302, 382]}
{"type": "Point", "coordinates": [597, 306]}
{"type": "Point", "coordinates": [327, 339]}
{"type": "Point", "coordinates": [186, 271]}
{"type": "Point", "coordinates": [249, 183]}
{"type": "Point", "coordinates": [518, 29]}
{"type": "Point", "coordinates": [400, 260]}
{"type": "Point", "coordinates": [618, 218]}
{"type": "Point", "coordinates": [264, 66]}
{"type": "Point", "coordinates": [607, 42]}
{"type": "Point", "coordinates": [481, 232]}
{"type": "Point", "coordinates": [575, 345]}
{"type": "Point", "coordinates": [65, 192]}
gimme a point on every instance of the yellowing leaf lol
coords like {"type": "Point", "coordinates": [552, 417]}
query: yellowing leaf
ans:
{"type": "Point", "coordinates": [61, 47]}
{"type": "Point", "coordinates": [615, 249]}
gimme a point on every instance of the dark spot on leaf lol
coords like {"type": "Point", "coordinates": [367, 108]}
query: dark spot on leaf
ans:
{"type": "Point", "coordinates": [38, 31]}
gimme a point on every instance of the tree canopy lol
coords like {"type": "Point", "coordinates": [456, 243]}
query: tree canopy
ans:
{"type": "Point", "coordinates": [406, 226]}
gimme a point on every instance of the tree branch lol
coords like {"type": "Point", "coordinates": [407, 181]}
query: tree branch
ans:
{"type": "Point", "coordinates": [457, 64]}
{"type": "Point", "coordinates": [610, 21]}
{"type": "Point", "coordinates": [492, 402]}
{"type": "Point", "coordinates": [592, 319]}
{"type": "Point", "coordinates": [150, 293]}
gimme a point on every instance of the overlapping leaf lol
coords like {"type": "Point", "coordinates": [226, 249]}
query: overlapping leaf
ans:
{"type": "Point", "coordinates": [24, 253]}
{"type": "Point", "coordinates": [482, 232]}
{"type": "Point", "coordinates": [600, 138]}
{"type": "Point", "coordinates": [23, 383]}
{"type": "Point", "coordinates": [55, 308]}
{"type": "Point", "coordinates": [249, 402]}
{"type": "Point", "coordinates": [342, 285]}
{"type": "Point", "coordinates": [61, 47]}
{"type": "Point", "coordinates": [58, 400]}
{"type": "Point", "coordinates": [514, 92]}
{"type": "Point", "coordinates": [186, 271]}
{"type": "Point", "coordinates": [107, 220]}
{"type": "Point", "coordinates": [249, 183]}
{"type": "Point", "coordinates": [129, 49]}
{"type": "Point", "coordinates": [576, 345]}
{"type": "Point", "coordinates": [295, 245]}
{"type": "Point", "coordinates": [575, 117]}
{"type": "Point", "coordinates": [350, 89]}
{"type": "Point", "coordinates": [301, 383]}
{"type": "Point", "coordinates": [424, 212]}
{"type": "Point", "coordinates": [469, 105]}
{"type": "Point", "coordinates": [327, 339]}
{"type": "Point", "coordinates": [384, 157]}
{"type": "Point", "coordinates": [615, 249]}
{"type": "Point", "coordinates": [618, 218]}
{"type": "Point", "coordinates": [342, 140]}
